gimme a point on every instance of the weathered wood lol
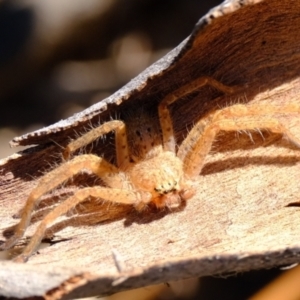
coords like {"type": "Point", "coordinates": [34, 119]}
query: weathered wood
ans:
{"type": "Point", "coordinates": [239, 219]}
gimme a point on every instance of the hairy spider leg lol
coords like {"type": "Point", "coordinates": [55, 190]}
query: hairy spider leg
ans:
{"type": "Point", "coordinates": [198, 143]}
{"type": "Point", "coordinates": [122, 151]}
{"type": "Point", "coordinates": [169, 142]}
{"type": "Point", "coordinates": [99, 166]}
{"type": "Point", "coordinates": [110, 194]}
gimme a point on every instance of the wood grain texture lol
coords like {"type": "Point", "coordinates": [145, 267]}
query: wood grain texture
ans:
{"type": "Point", "coordinates": [240, 218]}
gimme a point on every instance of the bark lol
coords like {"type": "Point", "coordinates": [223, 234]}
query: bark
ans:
{"type": "Point", "coordinates": [241, 217]}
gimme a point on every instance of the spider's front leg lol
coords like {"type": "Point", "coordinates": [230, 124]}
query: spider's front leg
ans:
{"type": "Point", "coordinates": [109, 194]}
{"type": "Point", "coordinates": [97, 165]}
{"type": "Point", "coordinates": [198, 143]}
{"type": "Point", "coordinates": [109, 173]}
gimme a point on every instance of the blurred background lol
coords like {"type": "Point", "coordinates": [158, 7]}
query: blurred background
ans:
{"type": "Point", "coordinates": [58, 57]}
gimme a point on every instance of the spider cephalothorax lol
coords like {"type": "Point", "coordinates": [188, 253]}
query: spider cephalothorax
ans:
{"type": "Point", "coordinates": [148, 168]}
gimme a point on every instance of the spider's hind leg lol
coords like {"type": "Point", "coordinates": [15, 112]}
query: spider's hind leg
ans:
{"type": "Point", "coordinates": [122, 151]}
{"type": "Point", "coordinates": [198, 143]}
{"type": "Point", "coordinates": [163, 111]}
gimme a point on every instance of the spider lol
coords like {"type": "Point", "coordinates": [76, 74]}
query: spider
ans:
{"type": "Point", "coordinates": [148, 168]}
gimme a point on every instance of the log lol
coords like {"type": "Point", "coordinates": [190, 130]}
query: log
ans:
{"type": "Point", "coordinates": [244, 214]}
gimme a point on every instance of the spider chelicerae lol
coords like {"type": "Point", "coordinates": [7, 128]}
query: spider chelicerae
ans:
{"type": "Point", "coordinates": [148, 168]}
